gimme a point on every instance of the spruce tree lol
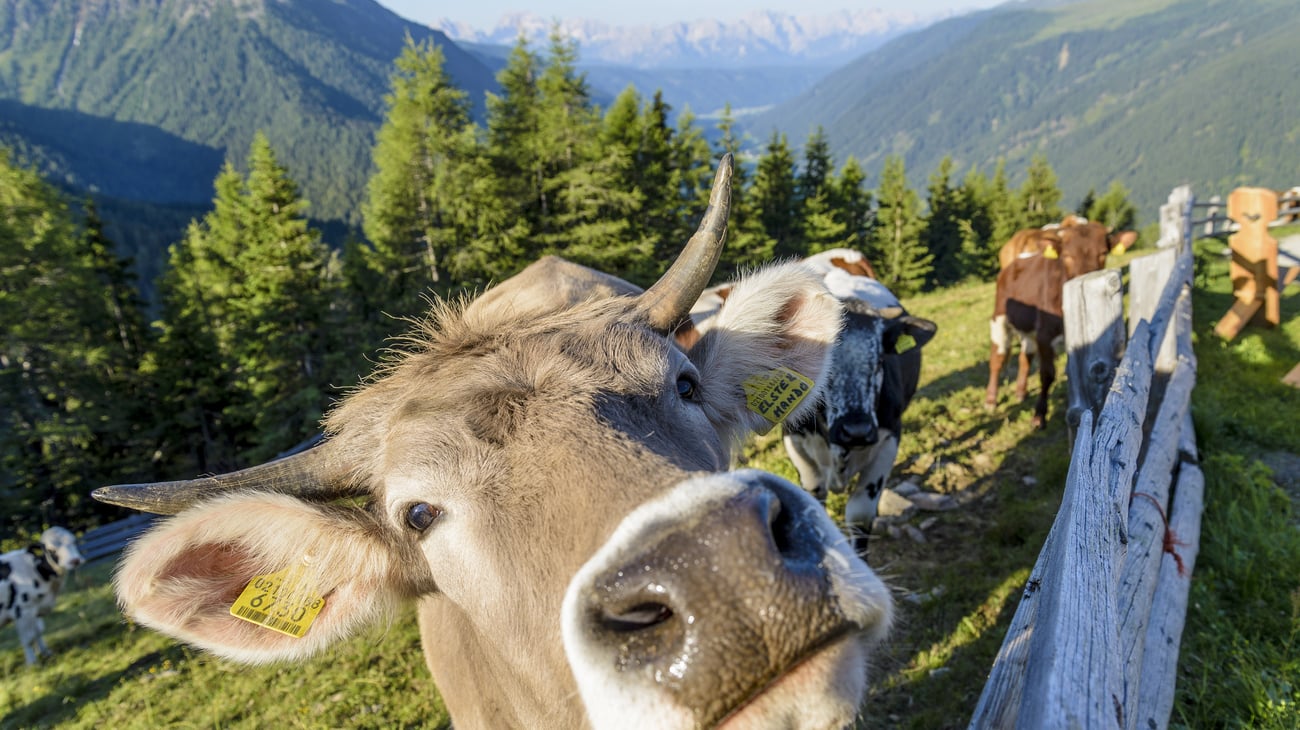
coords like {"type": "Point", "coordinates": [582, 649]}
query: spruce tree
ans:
{"type": "Point", "coordinates": [409, 213]}
{"type": "Point", "coordinates": [774, 195]}
{"type": "Point", "coordinates": [979, 248]}
{"type": "Point", "coordinates": [67, 377]}
{"type": "Point", "coordinates": [898, 252]}
{"type": "Point", "coordinates": [1113, 209]}
{"type": "Point", "coordinates": [1039, 197]}
{"type": "Point", "coordinates": [688, 187]}
{"type": "Point", "coordinates": [748, 243]}
{"type": "Point", "coordinates": [942, 233]}
{"type": "Point", "coordinates": [854, 202]}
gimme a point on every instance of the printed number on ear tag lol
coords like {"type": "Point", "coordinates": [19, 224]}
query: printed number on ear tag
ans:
{"type": "Point", "coordinates": [283, 601]}
{"type": "Point", "coordinates": [775, 393]}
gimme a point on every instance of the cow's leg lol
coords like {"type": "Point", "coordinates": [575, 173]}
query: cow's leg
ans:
{"type": "Point", "coordinates": [873, 466]}
{"type": "Point", "coordinates": [1028, 349]}
{"type": "Point", "coordinates": [811, 458]}
{"type": "Point", "coordinates": [1000, 335]}
{"type": "Point", "coordinates": [28, 631]}
{"type": "Point", "coordinates": [1046, 376]}
{"type": "Point", "coordinates": [40, 638]}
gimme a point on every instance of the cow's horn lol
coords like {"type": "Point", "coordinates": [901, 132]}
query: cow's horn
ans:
{"type": "Point", "coordinates": [310, 474]}
{"type": "Point", "coordinates": [669, 301]}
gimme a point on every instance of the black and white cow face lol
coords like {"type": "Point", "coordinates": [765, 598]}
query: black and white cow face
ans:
{"type": "Point", "coordinates": [61, 549]}
{"type": "Point", "coordinates": [852, 443]}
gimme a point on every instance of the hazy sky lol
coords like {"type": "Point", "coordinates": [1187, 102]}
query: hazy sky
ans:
{"type": "Point", "coordinates": [483, 14]}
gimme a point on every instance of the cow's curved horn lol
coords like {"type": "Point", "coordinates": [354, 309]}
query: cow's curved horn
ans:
{"type": "Point", "coordinates": [310, 474]}
{"type": "Point", "coordinates": [669, 301]}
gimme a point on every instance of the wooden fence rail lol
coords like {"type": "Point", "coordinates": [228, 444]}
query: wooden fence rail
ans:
{"type": "Point", "coordinates": [1094, 641]}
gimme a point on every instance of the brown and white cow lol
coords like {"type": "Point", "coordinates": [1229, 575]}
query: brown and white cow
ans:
{"type": "Point", "coordinates": [1028, 299]}
{"type": "Point", "coordinates": [548, 480]}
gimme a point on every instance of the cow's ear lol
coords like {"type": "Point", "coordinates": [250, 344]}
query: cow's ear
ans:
{"type": "Point", "coordinates": [912, 332]}
{"type": "Point", "coordinates": [778, 319]}
{"type": "Point", "coordinates": [268, 558]}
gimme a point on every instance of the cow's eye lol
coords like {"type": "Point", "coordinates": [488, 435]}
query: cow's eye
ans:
{"type": "Point", "coordinates": [686, 387]}
{"type": "Point", "coordinates": [421, 515]}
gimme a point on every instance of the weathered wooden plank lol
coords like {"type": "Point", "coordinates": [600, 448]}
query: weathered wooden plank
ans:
{"type": "Point", "coordinates": [1146, 526]}
{"type": "Point", "coordinates": [1166, 309]}
{"type": "Point", "coordinates": [999, 702]}
{"type": "Point", "coordinates": [1147, 279]}
{"type": "Point", "coordinates": [1074, 674]}
{"type": "Point", "coordinates": [1155, 700]}
{"type": "Point", "coordinates": [1094, 338]}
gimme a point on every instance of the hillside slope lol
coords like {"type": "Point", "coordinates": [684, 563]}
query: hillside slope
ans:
{"type": "Point", "coordinates": [164, 90]}
{"type": "Point", "coordinates": [1148, 92]}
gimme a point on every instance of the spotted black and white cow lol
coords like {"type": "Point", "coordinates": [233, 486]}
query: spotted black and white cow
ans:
{"type": "Point", "coordinates": [30, 580]}
{"type": "Point", "coordinates": [849, 443]}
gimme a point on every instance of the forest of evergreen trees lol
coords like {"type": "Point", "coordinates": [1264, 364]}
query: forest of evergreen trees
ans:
{"type": "Point", "coordinates": [261, 326]}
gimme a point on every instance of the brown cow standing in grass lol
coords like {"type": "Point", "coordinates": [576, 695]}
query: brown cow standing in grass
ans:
{"type": "Point", "coordinates": [547, 477]}
{"type": "Point", "coordinates": [1036, 263]}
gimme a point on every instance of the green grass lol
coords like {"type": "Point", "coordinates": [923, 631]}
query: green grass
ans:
{"type": "Point", "coordinates": [956, 592]}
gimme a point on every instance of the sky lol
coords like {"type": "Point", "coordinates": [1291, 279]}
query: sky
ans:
{"type": "Point", "coordinates": [483, 14]}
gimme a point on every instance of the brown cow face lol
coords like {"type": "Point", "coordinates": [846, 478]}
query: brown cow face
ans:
{"type": "Point", "coordinates": [513, 460]}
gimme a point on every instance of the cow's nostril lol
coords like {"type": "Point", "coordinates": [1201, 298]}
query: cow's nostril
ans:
{"type": "Point", "coordinates": [638, 617]}
{"type": "Point", "coordinates": [854, 433]}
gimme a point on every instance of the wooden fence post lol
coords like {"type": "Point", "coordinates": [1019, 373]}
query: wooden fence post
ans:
{"type": "Point", "coordinates": [1094, 338]}
{"type": "Point", "coordinates": [1146, 285]}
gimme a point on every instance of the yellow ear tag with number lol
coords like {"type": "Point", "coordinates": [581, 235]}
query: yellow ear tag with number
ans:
{"type": "Point", "coordinates": [1050, 253]}
{"type": "Point", "coordinates": [283, 601]}
{"type": "Point", "coordinates": [775, 393]}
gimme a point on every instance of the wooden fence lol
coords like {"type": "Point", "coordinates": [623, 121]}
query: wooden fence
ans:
{"type": "Point", "coordinates": [1094, 642]}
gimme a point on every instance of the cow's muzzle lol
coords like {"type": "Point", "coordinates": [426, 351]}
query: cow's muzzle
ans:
{"type": "Point", "coordinates": [704, 599]}
{"type": "Point", "coordinates": [849, 432]}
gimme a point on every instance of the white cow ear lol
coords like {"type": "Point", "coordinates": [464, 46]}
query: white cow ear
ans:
{"type": "Point", "coordinates": [780, 317]}
{"type": "Point", "coordinates": [184, 577]}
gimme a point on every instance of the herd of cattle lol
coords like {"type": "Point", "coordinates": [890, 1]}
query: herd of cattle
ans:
{"type": "Point", "coordinates": [548, 475]}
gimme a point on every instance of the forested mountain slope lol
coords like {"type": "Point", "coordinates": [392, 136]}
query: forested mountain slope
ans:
{"type": "Point", "coordinates": [143, 99]}
{"type": "Point", "coordinates": [1148, 92]}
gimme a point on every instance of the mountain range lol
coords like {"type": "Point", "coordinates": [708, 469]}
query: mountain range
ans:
{"type": "Point", "coordinates": [1150, 93]}
{"type": "Point", "coordinates": [139, 102]}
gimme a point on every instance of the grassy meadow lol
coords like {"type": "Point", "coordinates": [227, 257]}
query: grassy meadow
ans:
{"type": "Point", "coordinates": [956, 591]}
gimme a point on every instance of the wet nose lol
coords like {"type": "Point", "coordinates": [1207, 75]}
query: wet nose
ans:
{"type": "Point", "coordinates": [854, 431]}
{"type": "Point", "coordinates": [716, 609]}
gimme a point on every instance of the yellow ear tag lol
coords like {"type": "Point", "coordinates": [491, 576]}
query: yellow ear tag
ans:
{"type": "Point", "coordinates": [775, 393]}
{"type": "Point", "coordinates": [283, 601]}
{"type": "Point", "coordinates": [905, 342]}
{"type": "Point", "coordinates": [1050, 253]}
{"type": "Point", "coordinates": [1118, 250]}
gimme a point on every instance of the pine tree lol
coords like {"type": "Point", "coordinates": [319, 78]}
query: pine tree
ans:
{"type": "Point", "coordinates": [854, 202]}
{"type": "Point", "coordinates": [898, 253]}
{"type": "Point", "coordinates": [688, 187]}
{"type": "Point", "coordinates": [942, 233]}
{"type": "Point", "coordinates": [1039, 197]}
{"type": "Point", "coordinates": [816, 172]}
{"type": "Point", "coordinates": [64, 367]}
{"type": "Point", "coordinates": [775, 197]}
{"type": "Point", "coordinates": [1113, 209]}
{"type": "Point", "coordinates": [1005, 210]}
{"type": "Point", "coordinates": [748, 243]}
{"type": "Point", "coordinates": [978, 255]}
{"type": "Point", "coordinates": [408, 214]}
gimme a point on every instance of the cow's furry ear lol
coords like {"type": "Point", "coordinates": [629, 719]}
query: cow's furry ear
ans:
{"type": "Point", "coordinates": [778, 317]}
{"type": "Point", "coordinates": [183, 577]}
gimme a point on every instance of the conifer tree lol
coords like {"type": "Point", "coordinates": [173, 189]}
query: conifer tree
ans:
{"type": "Point", "coordinates": [816, 172]}
{"type": "Point", "coordinates": [63, 363]}
{"type": "Point", "coordinates": [748, 243]}
{"type": "Point", "coordinates": [775, 197]}
{"type": "Point", "coordinates": [978, 255]}
{"type": "Point", "coordinates": [693, 164]}
{"type": "Point", "coordinates": [854, 202]}
{"type": "Point", "coordinates": [942, 233]}
{"type": "Point", "coordinates": [1113, 209]}
{"type": "Point", "coordinates": [1005, 210]}
{"type": "Point", "coordinates": [898, 252]}
{"type": "Point", "coordinates": [409, 213]}
{"type": "Point", "coordinates": [1039, 197]}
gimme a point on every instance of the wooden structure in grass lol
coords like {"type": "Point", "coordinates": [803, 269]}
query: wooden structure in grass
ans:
{"type": "Point", "coordinates": [1257, 276]}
